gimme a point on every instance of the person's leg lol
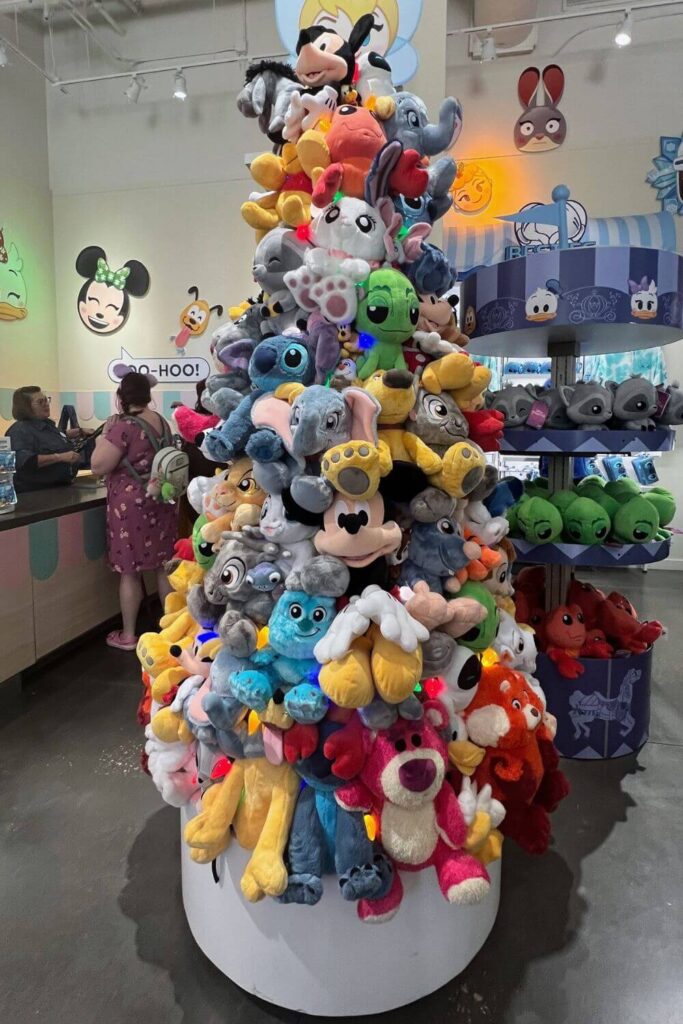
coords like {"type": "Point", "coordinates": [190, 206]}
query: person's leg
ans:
{"type": "Point", "coordinates": [164, 588]}
{"type": "Point", "coordinates": [130, 596]}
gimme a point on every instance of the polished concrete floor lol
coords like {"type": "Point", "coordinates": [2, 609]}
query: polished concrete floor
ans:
{"type": "Point", "coordinates": [91, 923]}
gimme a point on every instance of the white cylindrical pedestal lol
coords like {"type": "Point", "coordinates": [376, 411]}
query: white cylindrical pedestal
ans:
{"type": "Point", "coordinates": [322, 960]}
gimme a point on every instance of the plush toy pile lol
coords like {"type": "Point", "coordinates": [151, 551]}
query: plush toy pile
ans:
{"type": "Point", "coordinates": [635, 404]}
{"type": "Point", "coordinates": [590, 625]}
{"type": "Point", "coordinates": [339, 682]}
{"type": "Point", "coordinates": [592, 512]}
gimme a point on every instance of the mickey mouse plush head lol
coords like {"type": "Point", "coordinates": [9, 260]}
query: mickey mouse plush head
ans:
{"type": "Point", "coordinates": [325, 58]}
{"type": "Point", "coordinates": [104, 300]}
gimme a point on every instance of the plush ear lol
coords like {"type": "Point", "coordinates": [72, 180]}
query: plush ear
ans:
{"type": "Point", "coordinates": [533, 390]}
{"type": "Point", "coordinates": [86, 261]}
{"type": "Point", "coordinates": [653, 288]}
{"type": "Point", "coordinates": [377, 181]}
{"type": "Point", "coordinates": [364, 412]}
{"type": "Point", "coordinates": [412, 242]}
{"type": "Point", "coordinates": [360, 31]}
{"type": "Point", "coordinates": [436, 714]}
{"type": "Point", "coordinates": [272, 412]}
{"type": "Point", "coordinates": [137, 283]}
{"type": "Point", "coordinates": [393, 222]}
{"type": "Point", "coordinates": [430, 505]}
{"type": "Point", "coordinates": [566, 392]}
{"type": "Point", "coordinates": [527, 86]}
{"type": "Point", "coordinates": [553, 83]}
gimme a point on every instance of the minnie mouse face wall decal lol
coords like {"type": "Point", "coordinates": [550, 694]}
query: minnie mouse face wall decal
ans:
{"type": "Point", "coordinates": [104, 300]}
{"type": "Point", "coordinates": [542, 126]}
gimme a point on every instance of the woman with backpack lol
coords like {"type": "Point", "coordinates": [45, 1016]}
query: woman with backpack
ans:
{"type": "Point", "coordinates": [141, 531]}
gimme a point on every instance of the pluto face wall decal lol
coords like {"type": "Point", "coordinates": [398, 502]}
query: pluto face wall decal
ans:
{"type": "Point", "coordinates": [12, 284]}
{"type": "Point", "coordinates": [104, 300]}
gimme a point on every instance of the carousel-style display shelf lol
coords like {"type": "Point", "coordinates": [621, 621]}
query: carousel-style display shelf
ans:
{"type": "Point", "coordinates": [579, 296]}
{"type": "Point", "coordinates": [607, 556]}
{"type": "Point", "coordinates": [526, 441]}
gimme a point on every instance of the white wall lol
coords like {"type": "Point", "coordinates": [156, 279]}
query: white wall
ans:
{"type": "Point", "coordinates": [28, 351]}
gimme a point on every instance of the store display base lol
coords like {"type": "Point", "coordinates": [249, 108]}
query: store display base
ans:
{"type": "Point", "coordinates": [605, 713]}
{"type": "Point", "coordinates": [322, 960]}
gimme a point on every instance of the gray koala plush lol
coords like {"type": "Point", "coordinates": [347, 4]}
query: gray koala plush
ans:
{"type": "Point", "coordinates": [635, 403]}
{"type": "Point", "coordinates": [588, 403]}
{"type": "Point", "coordinates": [514, 402]}
{"type": "Point", "coordinates": [437, 420]}
{"type": "Point", "coordinates": [409, 123]}
{"type": "Point", "coordinates": [227, 599]}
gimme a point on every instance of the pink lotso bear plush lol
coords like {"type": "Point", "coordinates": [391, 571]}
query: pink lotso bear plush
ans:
{"type": "Point", "coordinates": [400, 774]}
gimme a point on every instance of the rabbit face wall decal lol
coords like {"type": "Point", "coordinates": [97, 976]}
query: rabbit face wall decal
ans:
{"type": "Point", "coordinates": [542, 126]}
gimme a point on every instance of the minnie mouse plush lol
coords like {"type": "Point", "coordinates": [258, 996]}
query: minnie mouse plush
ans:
{"type": "Point", "coordinates": [104, 300]}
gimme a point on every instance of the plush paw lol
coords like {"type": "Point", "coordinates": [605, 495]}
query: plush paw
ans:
{"type": "Point", "coordinates": [216, 448]}
{"type": "Point", "coordinates": [264, 446]}
{"type": "Point", "coordinates": [264, 875]}
{"type": "Point", "coordinates": [294, 211]}
{"type": "Point", "coordinates": [304, 889]}
{"type": "Point", "coordinates": [353, 469]}
{"type": "Point", "coordinates": [252, 688]}
{"type": "Point", "coordinates": [306, 704]}
{"type": "Point", "coordinates": [462, 470]}
{"type": "Point", "coordinates": [363, 881]}
{"type": "Point", "coordinates": [300, 282]}
{"type": "Point", "coordinates": [239, 635]}
{"type": "Point", "coordinates": [312, 493]}
{"type": "Point", "coordinates": [336, 298]}
{"type": "Point", "coordinates": [348, 682]}
{"type": "Point", "coordinates": [396, 673]}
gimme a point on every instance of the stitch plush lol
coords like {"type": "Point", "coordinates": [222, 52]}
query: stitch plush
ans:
{"type": "Point", "coordinates": [274, 361]}
{"type": "Point", "coordinates": [506, 717]}
{"type": "Point", "coordinates": [487, 529]}
{"type": "Point", "coordinates": [437, 549]}
{"type": "Point", "coordinates": [635, 403]}
{"type": "Point", "coordinates": [372, 649]}
{"type": "Point", "coordinates": [403, 778]}
{"type": "Point", "coordinates": [301, 617]}
{"type": "Point", "coordinates": [389, 314]}
{"type": "Point", "coordinates": [588, 403]}
{"type": "Point", "coordinates": [565, 635]}
{"type": "Point", "coordinates": [226, 599]}
{"type": "Point", "coordinates": [324, 837]}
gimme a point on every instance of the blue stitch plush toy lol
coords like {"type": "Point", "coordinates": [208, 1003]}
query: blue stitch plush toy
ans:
{"type": "Point", "coordinates": [436, 550]}
{"type": "Point", "coordinates": [325, 837]}
{"type": "Point", "coordinates": [274, 361]}
{"type": "Point", "coordinates": [301, 618]}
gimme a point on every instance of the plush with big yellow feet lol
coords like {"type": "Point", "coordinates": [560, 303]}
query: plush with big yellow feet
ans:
{"type": "Point", "coordinates": [374, 666]}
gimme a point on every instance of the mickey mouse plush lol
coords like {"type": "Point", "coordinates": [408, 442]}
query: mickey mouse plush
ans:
{"type": "Point", "coordinates": [324, 58]}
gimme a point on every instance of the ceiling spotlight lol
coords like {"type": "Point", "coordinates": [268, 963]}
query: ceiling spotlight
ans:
{"type": "Point", "coordinates": [137, 84]}
{"type": "Point", "coordinates": [625, 30]}
{"type": "Point", "coordinates": [488, 48]}
{"type": "Point", "coordinates": [3, 55]}
{"type": "Point", "coordinates": [179, 86]}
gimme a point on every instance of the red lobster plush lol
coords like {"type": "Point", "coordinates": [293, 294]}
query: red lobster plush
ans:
{"type": "Point", "coordinates": [521, 763]}
{"type": "Point", "coordinates": [401, 775]}
{"type": "Point", "coordinates": [615, 616]}
{"type": "Point", "coordinates": [565, 635]}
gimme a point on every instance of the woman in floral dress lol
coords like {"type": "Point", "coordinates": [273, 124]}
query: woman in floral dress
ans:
{"type": "Point", "coordinates": [141, 532]}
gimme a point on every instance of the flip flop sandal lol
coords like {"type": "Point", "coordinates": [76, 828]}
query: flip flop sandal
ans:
{"type": "Point", "coordinates": [117, 639]}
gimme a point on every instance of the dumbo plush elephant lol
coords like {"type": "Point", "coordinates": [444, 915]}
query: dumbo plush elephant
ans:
{"type": "Point", "coordinates": [409, 123]}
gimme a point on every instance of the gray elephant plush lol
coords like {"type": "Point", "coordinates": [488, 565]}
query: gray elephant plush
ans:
{"type": "Point", "coordinates": [226, 598]}
{"type": "Point", "coordinates": [588, 403]}
{"type": "Point", "coordinates": [409, 123]}
{"type": "Point", "coordinates": [635, 403]}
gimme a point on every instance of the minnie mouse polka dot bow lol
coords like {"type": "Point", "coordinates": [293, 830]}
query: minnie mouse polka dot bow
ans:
{"type": "Point", "coordinates": [117, 278]}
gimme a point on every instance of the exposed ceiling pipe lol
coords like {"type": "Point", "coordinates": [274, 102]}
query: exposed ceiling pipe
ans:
{"type": "Point", "coordinates": [29, 60]}
{"type": "Point", "coordinates": [134, 6]}
{"type": "Point", "coordinates": [566, 16]}
{"type": "Point", "coordinates": [104, 13]}
{"type": "Point", "coordinates": [166, 68]}
{"type": "Point", "coordinates": [90, 30]}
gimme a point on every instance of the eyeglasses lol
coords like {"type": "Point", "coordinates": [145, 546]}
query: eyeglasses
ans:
{"type": "Point", "coordinates": [43, 400]}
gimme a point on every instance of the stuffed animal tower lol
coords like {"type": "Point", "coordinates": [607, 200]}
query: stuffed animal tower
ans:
{"type": "Point", "coordinates": [338, 684]}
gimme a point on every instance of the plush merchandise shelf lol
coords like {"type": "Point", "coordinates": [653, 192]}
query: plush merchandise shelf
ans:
{"type": "Point", "coordinates": [519, 440]}
{"type": "Point", "coordinates": [607, 556]}
{"type": "Point", "coordinates": [605, 713]}
{"type": "Point", "coordinates": [424, 946]}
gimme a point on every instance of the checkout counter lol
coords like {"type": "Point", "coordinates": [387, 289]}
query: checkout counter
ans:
{"type": "Point", "coordinates": [54, 581]}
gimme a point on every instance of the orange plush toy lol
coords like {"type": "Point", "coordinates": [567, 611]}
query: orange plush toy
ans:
{"type": "Point", "coordinates": [565, 635]}
{"type": "Point", "coordinates": [520, 764]}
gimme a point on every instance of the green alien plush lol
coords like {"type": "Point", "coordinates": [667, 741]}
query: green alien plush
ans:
{"type": "Point", "coordinates": [636, 522]}
{"type": "Point", "coordinates": [203, 550]}
{"type": "Point", "coordinates": [511, 516]}
{"type": "Point", "coordinates": [563, 499]}
{"type": "Point", "coordinates": [538, 520]}
{"type": "Point", "coordinates": [663, 500]}
{"type": "Point", "coordinates": [622, 489]}
{"type": "Point", "coordinates": [536, 488]}
{"type": "Point", "coordinates": [598, 493]}
{"type": "Point", "coordinates": [585, 522]}
{"type": "Point", "coordinates": [590, 481]}
{"type": "Point", "coordinates": [482, 636]}
{"type": "Point", "coordinates": [389, 312]}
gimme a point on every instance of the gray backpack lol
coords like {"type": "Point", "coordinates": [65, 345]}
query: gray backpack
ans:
{"type": "Point", "coordinates": [170, 473]}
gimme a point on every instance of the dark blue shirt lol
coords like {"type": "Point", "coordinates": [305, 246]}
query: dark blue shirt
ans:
{"type": "Point", "coordinates": [34, 437]}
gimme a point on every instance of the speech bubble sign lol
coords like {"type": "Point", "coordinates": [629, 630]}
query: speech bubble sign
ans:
{"type": "Point", "coordinates": [169, 371]}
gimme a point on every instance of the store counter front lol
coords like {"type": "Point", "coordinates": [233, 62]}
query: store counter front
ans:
{"type": "Point", "coordinates": [54, 581]}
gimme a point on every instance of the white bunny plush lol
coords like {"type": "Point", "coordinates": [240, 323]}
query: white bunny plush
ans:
{"type": "Point", "coordinates": [173, 769]}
